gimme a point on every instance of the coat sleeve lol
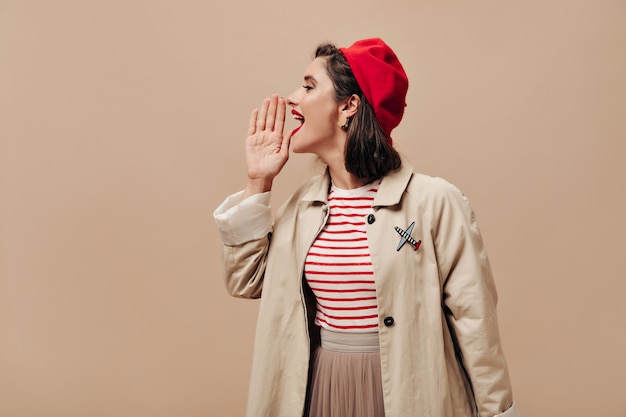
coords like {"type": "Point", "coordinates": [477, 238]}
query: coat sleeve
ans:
{"type": "Point", "coordinates": [469, 302]}
{"type": "Point", "coordinates": [245, 227]}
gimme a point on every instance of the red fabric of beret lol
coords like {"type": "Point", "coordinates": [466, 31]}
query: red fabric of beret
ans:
{"type": "Point", "coordinates": [381, 78]}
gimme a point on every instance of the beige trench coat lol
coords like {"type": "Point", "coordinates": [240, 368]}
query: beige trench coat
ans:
{"type": "Point", "coordinates": [441, 356]}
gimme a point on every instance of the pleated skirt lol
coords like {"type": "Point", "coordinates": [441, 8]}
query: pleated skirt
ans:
{"type": "Point", "coordinates": [346, 377]}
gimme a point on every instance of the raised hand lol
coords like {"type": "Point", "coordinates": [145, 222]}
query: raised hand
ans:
{"type": "Point", "coordinates": [267, 146]}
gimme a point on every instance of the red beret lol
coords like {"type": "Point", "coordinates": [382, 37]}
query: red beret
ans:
{"type": "Point", "coordinates": [381, 78]}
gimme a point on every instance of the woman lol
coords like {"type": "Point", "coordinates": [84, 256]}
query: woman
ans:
{"type": "Point", "coordinates": [377, 296]}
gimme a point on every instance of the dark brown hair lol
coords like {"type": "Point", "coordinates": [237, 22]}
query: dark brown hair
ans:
{"type": "Point", "coordinates": [368, 153]}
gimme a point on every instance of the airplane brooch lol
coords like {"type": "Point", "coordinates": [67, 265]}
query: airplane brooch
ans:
{"type": "Point", "coordinates": [406, 237]}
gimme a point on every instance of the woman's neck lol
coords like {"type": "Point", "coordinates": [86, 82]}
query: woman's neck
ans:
{"type": "Point", "coordinates": [335, 160]}
{"type": "Point", "coordinates": [345, 180]}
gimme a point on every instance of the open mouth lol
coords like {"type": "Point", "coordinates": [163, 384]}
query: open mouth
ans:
{"type": "Point", "coordinates": [299, 118]}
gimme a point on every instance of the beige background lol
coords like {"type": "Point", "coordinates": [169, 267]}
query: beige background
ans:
{"type": "Point", "coordinates": [121, 129]}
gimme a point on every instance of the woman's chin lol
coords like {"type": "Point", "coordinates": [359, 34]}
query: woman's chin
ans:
{"type": "Point", "coordinates": [296, 149]}
{"type": "Point", "coordinates": [295, 141]}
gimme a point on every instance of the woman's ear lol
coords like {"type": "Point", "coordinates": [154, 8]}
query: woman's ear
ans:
{"type": "Point", "coordinates": [351, 105]}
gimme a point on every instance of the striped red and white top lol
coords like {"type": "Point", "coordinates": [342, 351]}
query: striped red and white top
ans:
{"type": "Point", "coordinates": [338, 267]}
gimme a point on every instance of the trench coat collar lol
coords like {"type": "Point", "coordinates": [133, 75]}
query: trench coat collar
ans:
{"type": "Point", "coordinates": [393, 185]}
{"type": "Point", "coordinates": [389, 193]}
{"type": "Point", "coordinates": [318, 189]}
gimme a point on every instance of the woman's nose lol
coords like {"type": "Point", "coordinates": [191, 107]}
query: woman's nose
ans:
{"type": "Point", "coordinates": [293, 99]}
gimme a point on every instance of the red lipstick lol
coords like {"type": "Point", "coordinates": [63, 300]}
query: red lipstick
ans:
{"type": "Point", "coordinates": [300, 118]}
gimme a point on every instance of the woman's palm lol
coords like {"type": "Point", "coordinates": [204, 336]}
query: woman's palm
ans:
{"type": "Point", "coordinates": [267, 147]}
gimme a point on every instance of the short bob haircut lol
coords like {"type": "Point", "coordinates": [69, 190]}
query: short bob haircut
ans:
{"type": "Point", "coordinates": [368, 153]}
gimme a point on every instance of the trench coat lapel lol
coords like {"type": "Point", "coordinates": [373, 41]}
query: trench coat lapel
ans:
{"type": "Point", "coordinates": [312, 215]}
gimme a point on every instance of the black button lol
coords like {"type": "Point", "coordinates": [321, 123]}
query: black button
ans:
{"type": "Point", "coordinates": [370, 218]}
{"type": "Point", "coordinates": [389, 321]}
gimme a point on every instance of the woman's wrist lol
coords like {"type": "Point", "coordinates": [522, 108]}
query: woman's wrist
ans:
{"type": "Point", "coordinates": [257, 186]}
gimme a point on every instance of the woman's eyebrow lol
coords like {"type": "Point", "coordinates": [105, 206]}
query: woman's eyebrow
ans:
{"type": "Point", "coordinates": [310, 78]}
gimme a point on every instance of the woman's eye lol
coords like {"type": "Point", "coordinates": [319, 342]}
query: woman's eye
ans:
{"type": "Point", "coordinates": [307, 87]}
